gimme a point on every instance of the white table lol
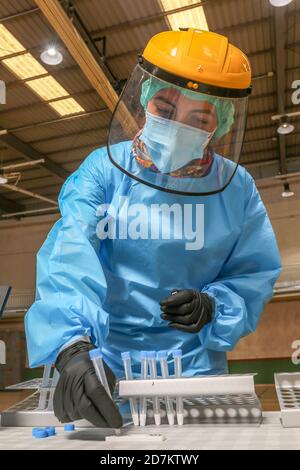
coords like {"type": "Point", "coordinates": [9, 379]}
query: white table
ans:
{"type": "Point", "coordinates": [270, 435]}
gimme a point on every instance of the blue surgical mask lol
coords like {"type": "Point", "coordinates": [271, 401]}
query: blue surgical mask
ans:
{"type": "Point", "coordinates": [171, 144]}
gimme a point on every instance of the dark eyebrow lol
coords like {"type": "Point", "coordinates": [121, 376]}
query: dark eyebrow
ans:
{"type": "Point", "coordinates": [202, 111]}
{"type": "Point", "coordinates": [165, 100]}
{"type": "Point", "coordinates": [196, 110]}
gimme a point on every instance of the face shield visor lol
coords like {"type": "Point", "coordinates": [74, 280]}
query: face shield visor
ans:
{"type": "Point", "coordinates": [176, 139]}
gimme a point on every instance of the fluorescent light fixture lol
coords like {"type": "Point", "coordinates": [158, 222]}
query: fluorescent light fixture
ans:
{"type": "Point", "coordinates": [3, 179]}
{"type": "Point", "coordinates": [48, 88]}
{"type": "Point", "coordinates": [66, 107]}
{"type": "Point", "coordinates": [286, 191]}
{"type": "Point", "coordinates": [26, 67]}
{"type": "Point", "coordinates": [8, 43]}
{"type": "Point", "coordinates": [285, 127]}
{"type": "Point", "coordinates": [194, 18]}
{"type": "Point", "coordinates": [52, 56]}
{"type": "Point", "coordinates": [280, 3]}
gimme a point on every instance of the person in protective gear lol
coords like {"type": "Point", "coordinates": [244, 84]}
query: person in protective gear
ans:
{"type": "Point", "coordinates": [165, 206]}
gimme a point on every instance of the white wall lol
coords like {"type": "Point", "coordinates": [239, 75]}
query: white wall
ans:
{"type": "Point", "coordinates": [285, 217]}
{"type": "Point", "coordinates": [19, 243]}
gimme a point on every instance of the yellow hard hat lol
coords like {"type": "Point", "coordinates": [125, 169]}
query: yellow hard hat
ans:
{"type": "Point", "coordinates": [198, 60]}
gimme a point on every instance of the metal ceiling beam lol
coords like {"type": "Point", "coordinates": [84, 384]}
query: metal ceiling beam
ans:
{"type": "Point", "coordinates": [78, 147]}
{"type": "Point", "coordinates": [70, 134]}
{"type": "Point", "coordinates": [280, 62]}
{"type": "Point", "coordinates": [269, 149]}
{"type": "Point", "coordinates": [58, 120]}
{"type": "Point", "coordinates": [253, 164]}
{"type": "Point", "coordinates": [38, 103]}
{"type": "Point", "coordinates": [55, 73]}
{"type": "Point", "coordinates": [6, 205]}
{"type": "Point", "coordinates": [145, 20]}
{"type": "Point", "coordinates": [17, 15]}
{"type": "Point", "coordinates": [29, 153]}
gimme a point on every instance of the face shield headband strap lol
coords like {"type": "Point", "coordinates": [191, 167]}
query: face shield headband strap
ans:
{"type": "Point", "coordinates": [199, 87]}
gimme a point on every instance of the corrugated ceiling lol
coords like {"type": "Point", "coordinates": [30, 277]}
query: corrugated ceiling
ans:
{"type": "Point", "coordinates": [127, 26]}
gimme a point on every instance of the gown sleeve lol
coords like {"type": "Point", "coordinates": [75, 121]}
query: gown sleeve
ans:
{"type": "Point", "coordinates": [70, 278]}
{"type": "Point", "coordinates": [245, 283]}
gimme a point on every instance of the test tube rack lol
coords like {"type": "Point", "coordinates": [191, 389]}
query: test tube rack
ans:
{"type": "Point", "coordinates": [288, 393]}
{"type": "Point", "coordinates": [37, 409]}
{"type": "Point", "coordinates": [235, 401]}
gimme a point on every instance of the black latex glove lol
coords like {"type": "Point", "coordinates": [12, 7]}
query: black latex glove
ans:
{"type": "Point", "coordinates": [79, 394]}
{"type": "Point", "coordinates": [187, 310]}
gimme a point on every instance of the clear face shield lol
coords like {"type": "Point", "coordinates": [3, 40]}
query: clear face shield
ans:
{"type": "Point", "coordinates": [176, 139]}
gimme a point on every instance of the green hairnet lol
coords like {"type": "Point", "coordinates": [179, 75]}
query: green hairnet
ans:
{"type": "Point", "coordinates": [224, 107]}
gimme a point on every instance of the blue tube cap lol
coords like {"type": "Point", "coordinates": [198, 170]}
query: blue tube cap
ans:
{"type": "Point", "coordinates": [125, 355]}
{"type": "Point", "coordinates": [162, 354]}
{"type": "Point", "coordinates": [51, 430]}
{"type": "Point", "coordinates": [95, 353]}
{"type": "Point", "coordinates": [69, 427]}
{"type": "Point", "coordinates": [40, 433]}
{"type": "Point", "coordinates": [151, 355]}
{"type": "Point", "coordinates": [177, 353]}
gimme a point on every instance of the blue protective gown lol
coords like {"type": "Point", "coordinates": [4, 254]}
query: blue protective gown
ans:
{"type": "Point", "coordinates": [110, 290]}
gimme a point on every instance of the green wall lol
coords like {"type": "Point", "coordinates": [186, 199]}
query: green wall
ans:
{"type": "Point", "coordinates": [264, 368]}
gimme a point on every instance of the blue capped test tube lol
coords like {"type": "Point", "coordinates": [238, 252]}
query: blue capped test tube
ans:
{"type": "Point", "coordinates": [126, 357]}
{"type": "Point", "coordinates": [153, 375]}
{"type": "Point", "coordinates": [144, 376]}
{"type": "Point", "coordinates": [44, 387]}
{"type": "Point", "coordinates": [177, 355]}
{"type": "Point", "coordinates": [162, 358]}
{"type": "Point", "coordinates": [96, 357]}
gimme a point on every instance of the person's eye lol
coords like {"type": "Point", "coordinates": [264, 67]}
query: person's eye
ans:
{"type": "Point", "coordinates": [165, 112]}
{"type": "Point", "coordinates": [200, 122]}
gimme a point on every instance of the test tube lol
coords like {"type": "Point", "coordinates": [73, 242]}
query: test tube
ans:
{"type": "Point", "coordinates": [153, 375]}
{"type": "Point", "coordinates": [144, 376]}
{"type": "Point", "coordinates": [162, 357]}
{"type": "Point", "coordinates": [96, 357]}
{"type": "Point", "coordinates": [52, 389]}
{"type": "Point", "coordinates": [126, 357]}
{"type": "Point", "coordinates": [44, 387]}
{"type": "Point", "coordinates": [177, 355]}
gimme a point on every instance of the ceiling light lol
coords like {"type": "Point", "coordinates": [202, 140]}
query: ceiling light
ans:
{"type": "Point", "coordinates": [287, 192]}
{"type": "Point", "coordinates": [193, 18]}
{"type": "Point", "coordinates": [285, 127]}
{"type": "Point", "coordinates": [280, 3]}
{"type": "Point", "coordinates": [26, 67]}
{"type": "Point", "coordinates": [52, 56]}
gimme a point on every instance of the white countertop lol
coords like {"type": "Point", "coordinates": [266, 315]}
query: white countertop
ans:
{"type": "Point", "coordinates": [270, 435]}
